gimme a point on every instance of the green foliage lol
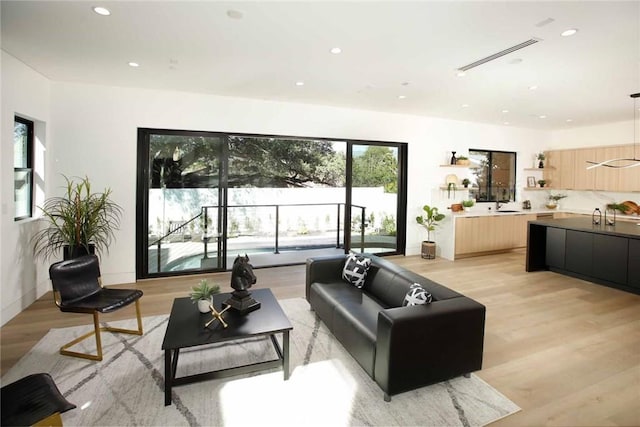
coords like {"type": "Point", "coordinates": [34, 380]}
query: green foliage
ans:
{"type": "Point", "coordinates": [376, 167]}
{"type": "Point", "coordinates": [430, 219]}
{"type": "Point", "coordinates": [468, 203]}
{"type": "Point", "coordinates": [79, 218]}
{"type": "Point", "coordinates": [618, 207]}
{"type": "Point", "coordinates": [556, 197]}
{"type": "Point", "coordinates": [389, 225]}
{"type": "Point", "coordinates": [203, 290]}
{"type": "Point", "coordinates": [273, 162]}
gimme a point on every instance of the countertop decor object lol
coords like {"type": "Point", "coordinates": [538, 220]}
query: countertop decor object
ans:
{"type": "Point", "coordinates": [596, 217]}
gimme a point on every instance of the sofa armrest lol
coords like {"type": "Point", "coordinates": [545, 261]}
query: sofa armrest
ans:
{"type": "Point", "coordinates": [323, 269]}
{"type": "Point", "coordinates": [424, 344]}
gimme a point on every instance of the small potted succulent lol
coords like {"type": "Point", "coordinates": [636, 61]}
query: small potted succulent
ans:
{"type": "Point", "coordinates": [467, 204]}
{"type": "Point", "coordinates": [462, 161]}
{"type": "Point", "coordinates": [541, 158]}
{"type": "Point", "coordinates": [542, 183]}
{"type": "Point", "coordinates": [202, 294]}
{"type": "Point", "coordinates": [466, 182]}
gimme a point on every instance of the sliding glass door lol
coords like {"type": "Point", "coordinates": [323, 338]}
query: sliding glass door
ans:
{"type": "Point", "coordinates": [205, 198]}
{"type": "Point", "coordinates": [181, 180]}
{"type": "Point", "coordinates": [375, 206]}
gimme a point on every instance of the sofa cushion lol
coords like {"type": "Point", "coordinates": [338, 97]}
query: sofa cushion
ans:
{"type": "Point", "coordinates": [355, 270]}
{"type": "Point", "coordinates": [417, 295]}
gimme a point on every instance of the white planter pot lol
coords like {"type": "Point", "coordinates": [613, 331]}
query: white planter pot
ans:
{"type": "Point", "coordinates": [203, 305]}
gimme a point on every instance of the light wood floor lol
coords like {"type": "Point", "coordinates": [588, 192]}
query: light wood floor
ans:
{"type": "Point", "coordinates": [566, 351]}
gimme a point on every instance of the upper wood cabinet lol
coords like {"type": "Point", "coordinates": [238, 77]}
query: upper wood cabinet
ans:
{"type": "Point", "coordinates": [567, 169]}
{"type": "Point", "coordinates": [560, 168]}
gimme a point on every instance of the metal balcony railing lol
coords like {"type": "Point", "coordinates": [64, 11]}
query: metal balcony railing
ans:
{"type": "Point", "coordinates": [181, 228]}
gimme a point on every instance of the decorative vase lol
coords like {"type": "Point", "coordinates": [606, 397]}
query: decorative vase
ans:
{"type": "Point", "coordinates": [453, 158]}
{"type": "Point", "coordinates": [541, 165]}
{"type": "Point", "coordinates": [203, 305]}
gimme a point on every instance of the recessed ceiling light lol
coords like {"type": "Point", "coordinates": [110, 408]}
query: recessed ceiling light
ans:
{"type": "Point", "coordinates": [461, 74]}
{"type": "Point", "coordinates": [569, 120]}
{"type": "Point", "coordinates": [300, 83]}
{"type": "Point", "coordinates": [534, 87]}
{"type": "Point", "coordinates": [506, 123]}
{"type": "Point", "coordinates": [335, 50]}
{"type": "Point", "coordinates": [569, 32]}
{"type": "Point", "coordinates": [234, 14]}
{"type": "Point", "coordinates": [465, 105]}
{"type": "Point", "coordinates": [101, 11]}
{"type": "Point", "coordinates": [402, 96]}
{"type": "Point", "coordinates": [542, 116]}
{"type": "Point", "coordinates": [505, 111]}
{"type": "Point", "coordinates": [133, 64]}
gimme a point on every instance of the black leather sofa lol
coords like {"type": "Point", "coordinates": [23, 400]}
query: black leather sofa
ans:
{"type": "Point", "coordinates": [401, 348]}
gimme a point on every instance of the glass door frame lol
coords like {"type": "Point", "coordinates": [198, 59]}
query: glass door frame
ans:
{"type": "Point", "coordinates": [142, 202]}
{"type": "Point", "coordinates": [401, 205]}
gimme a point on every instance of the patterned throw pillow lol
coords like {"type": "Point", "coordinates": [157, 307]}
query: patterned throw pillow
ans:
{"type": "Point", "coordinates": [355, 270]}
{"type": "Point", "coordinates": [417, 295]}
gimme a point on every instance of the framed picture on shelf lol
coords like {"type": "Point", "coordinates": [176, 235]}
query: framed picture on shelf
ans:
{"type": "Point", "coordinates": [531, 181]}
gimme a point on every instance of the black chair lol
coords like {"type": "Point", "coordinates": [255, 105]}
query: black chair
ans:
{"type": "Point", "coordinates": [33, 400]}
{"type": "Point", "coordinates": [77, 288]}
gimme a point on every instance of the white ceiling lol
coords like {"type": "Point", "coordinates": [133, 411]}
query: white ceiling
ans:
{"type": "Point", "coordinates": [388, 49]}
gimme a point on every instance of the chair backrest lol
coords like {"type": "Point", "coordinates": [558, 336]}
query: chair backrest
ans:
{"type": "Point", "coordinates": [76, 278]}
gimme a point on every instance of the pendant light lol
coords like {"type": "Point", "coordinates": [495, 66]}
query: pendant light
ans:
{"type": "Point", "coordinates": [624, 163]}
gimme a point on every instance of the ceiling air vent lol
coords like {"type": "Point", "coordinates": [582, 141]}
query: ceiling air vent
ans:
{"type": "Point", "coordinates": [499, 54]}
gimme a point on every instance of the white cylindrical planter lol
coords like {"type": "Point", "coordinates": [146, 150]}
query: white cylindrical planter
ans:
{"type": "Point", "coordinates": [203, 305]}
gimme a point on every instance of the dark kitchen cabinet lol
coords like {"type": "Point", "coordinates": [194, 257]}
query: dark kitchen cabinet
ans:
{"type": "Point", "coordinates": [610, 258]}
{"type": "Point", "coordinates": [555, 247]}
{"type": "Point", "coordinates": [633, 277]}
{"type": "Point", "coordinates": [579, 252]}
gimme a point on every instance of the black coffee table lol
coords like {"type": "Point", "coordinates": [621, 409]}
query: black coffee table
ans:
{"type": "Point", "coordinates": [186, 329]}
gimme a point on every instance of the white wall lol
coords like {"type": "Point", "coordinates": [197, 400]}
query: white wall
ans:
{"type": "Point", "coordinates": [26, 93]}
{"type": "Point", "coordinates": [591, 136]}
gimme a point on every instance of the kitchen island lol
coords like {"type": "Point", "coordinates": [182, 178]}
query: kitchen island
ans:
{"type": "Point", "coordinates": [603, 254]}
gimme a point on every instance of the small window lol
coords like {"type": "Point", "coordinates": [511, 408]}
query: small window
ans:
{"type": "Point", "coordinates": [494, 175]}
{"type": "Point", "coordinates": [22, 167]}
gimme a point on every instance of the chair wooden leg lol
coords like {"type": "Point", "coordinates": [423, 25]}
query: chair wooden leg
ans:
{"type": "Point", "coordinates": [96, 332]}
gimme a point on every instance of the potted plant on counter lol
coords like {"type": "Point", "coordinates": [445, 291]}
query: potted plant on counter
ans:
{"type": "Point", "coordinates": [467, 204]}
{"type": "Point", "coordinates": [202, 294]}
{"type": "Point", "coordinates": [79, 222]}
{"type": "Point", "coordinates": [552, 203]}
{"type": "Point", "coordinates": [429, 220]}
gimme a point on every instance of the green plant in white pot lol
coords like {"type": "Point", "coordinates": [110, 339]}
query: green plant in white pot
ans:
{"type": "Point", "coordinates": [78, 222]}
{"type": "Point", "coordinates": [202, 294]}
{"type": "Point", "coordinates": [429, 220]}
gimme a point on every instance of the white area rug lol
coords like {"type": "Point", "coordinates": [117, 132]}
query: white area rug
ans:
{"type": "Point", "coordinates": [327, 387]}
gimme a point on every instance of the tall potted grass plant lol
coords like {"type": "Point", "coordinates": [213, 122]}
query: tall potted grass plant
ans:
{"type": "Point", "coordinates": [78, 223]}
